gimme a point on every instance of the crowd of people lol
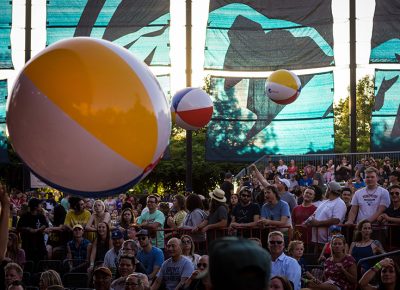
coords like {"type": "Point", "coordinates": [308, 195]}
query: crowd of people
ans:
{"type": "Point", "coordinates": [235, 238]}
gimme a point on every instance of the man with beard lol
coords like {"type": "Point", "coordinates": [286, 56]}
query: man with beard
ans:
{"type": "Point", "coordinates": [245, 214]}
{"type": "Point", "coordinates": [151, 257]}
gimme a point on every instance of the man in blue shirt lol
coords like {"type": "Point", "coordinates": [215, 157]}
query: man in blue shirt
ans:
{"type": "Point", "coordinates": [281, 264]}
{"type": "Point", "coordinates": [151, 257]}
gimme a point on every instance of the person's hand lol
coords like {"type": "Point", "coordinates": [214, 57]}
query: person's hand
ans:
{"type": "Point", "coordinates": [194, 274]}
{"type": "Point", "coordinates": [349, 223]}
{"type": "Point", "coordinates": [253, 167]}
{"type": "Point", "coordinates": [387, 262]}
{"type": "Point", "coordinates": [313, 223]}
{"type": "Point", "coordinates": [384, 216]}
{"type": "Point", "coordinates": [321, 259]}
{"type": "Point", "coordinates": [263, 222]}
{"type": "Point", "coordinates": [235, 225]}
{"type": "Point", "coordinates": [195, 230]}
{"type": "Point", "coordinates": [340, 266]}
{"type": "Point", "coordinates": [203, 230]}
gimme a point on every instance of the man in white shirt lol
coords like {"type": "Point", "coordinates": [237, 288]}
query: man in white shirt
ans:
{"type": "Point", "coordinates": [330, 212]}
{"type": "Point", "coordinates": [281, 264]}
{"type": "Point", "coordinates": [369, 202]}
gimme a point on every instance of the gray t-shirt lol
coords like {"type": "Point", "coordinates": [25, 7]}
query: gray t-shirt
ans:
{"type": "Point", "coordinates": [171, 272]}
{"type": "Point", "coordinates": [220, 214]}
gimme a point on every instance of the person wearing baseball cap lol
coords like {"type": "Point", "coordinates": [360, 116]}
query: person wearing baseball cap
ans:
{"type": "Point", "coordinates": [102, 278]}
{"type": "Point", "coordinates": [218, 217]}
{"type": "Point", "coordinates": [77, 248]}
{"type": "Point", "coordinates": [150, 256]}
{"type": "Point", "coordinates": [111, 256]}
{"type": "Point", "coordinates": [330, 212]}
{"type": "Point", "coordinates": [283, 186]}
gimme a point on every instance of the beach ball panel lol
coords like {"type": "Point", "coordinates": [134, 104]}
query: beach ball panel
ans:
{"type": "Point", "coordinates": [92, 92]}
{"type": "Point", "coordinates": [178, 97]}
{"type": "Point", "coordinates": [182, 124]}
{"type": "Point", "coordinates": [193, 100]}
{"type": "Point", "coordinates": [51, 148]}
{"type": "Point", "coordinates": [196, 118]}
{"type": "Point", "coordinates": [285, 77]}
{"type": "Point", "coordinates": [157, 98]}
{"type": "Point", "coordinates": [279, 92]}
{"type": "Point", "coordinates": [288, 100]}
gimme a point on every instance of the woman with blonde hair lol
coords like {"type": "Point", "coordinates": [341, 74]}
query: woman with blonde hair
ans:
{"type": "Point", "coordinates": [340, 270]}
{"type": "Point", "coordinates": [99, 215]}
{"type": "Point", "coordinates": [188, 250]}
{"type": "Point", "coordinates": [49, 278]}
{"type": "Point", "coordinates": [14, 251]}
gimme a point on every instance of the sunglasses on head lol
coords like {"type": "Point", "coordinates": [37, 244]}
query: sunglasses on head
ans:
{"type": "Point", "coordinates": [395, 193]}
{"type": "Point", "coordinates": [275, 242]}
{"type": "Point", "coordinates": [202, 265]}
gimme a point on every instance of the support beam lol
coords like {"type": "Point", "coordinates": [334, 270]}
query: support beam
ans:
{"type": "Point", "coordinates": [189, 151]}
{"type": "Point", "coordinates": [28, 30]}
{"type": "Point", "coordinates": [353, 78]}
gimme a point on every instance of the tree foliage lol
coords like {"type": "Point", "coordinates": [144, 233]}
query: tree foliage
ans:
{"type": "Point", "coordinates": [365, 103]}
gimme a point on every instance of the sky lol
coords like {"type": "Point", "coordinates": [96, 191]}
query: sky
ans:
{"type": "Point", "coordinates": [365, 10]}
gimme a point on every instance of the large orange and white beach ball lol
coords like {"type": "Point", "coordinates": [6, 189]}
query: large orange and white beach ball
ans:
{"type": "Point", "coordinates": [88, 118]}
{"type": "Point", "coordinates": [191, 108]}
{"type": "Point", "coordinates": [283, 87]}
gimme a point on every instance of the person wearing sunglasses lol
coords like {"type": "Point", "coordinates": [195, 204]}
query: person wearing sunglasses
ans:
{"type": "Point", "coordinates": [199, 279]}
{"type": "Point", "coordinates": [391, 215]}
{"type": "Point", "coordinates": [340, 270]}
{"type": "Point", "coordinates": [386, 272]}
{"type": "Point", "coordinates": [282, 264]}
{"type": "Point", "coordinates": [246, 214]}
{"type": "Point", "coordinates": [188, 248]}
{"type": "Point", "coordinates": [150, 256]}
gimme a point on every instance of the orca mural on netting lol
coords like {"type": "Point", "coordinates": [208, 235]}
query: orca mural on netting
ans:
{"type": "Point", "coordinates": [141, 26]}
{"type": "Point", "coordinates": [265, 35]}
{"type": "Point", "coordinates": [5, 31]}
{"type": "Point", "coordinates": [385, 40]}
{"type": "Point", "coordinates": [3, 138]}
{"type": "Point", "coordinates": [247, 125]}
{"type": "Point", "coordinates": [385, 129]}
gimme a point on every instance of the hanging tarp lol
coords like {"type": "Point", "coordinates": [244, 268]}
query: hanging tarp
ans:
{"type": "Point", "coordinates": [264, 35]}
{"type": "Point", "coordinates": [385, 40]}
{"type": "Point", "coordinates": [385, 129]}
{"type": "Point", "coordinates": [3, 100]}
{"type": "Point", "coordinates": [246, 124]}
{"type": "Point", "coordinates": [142, 26]}
{"type": "Point", "coordinates": [5, 30]}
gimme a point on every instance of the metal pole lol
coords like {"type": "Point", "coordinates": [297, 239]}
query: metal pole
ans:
{"type": "Point", "coordinates": [28, 29]}
{"type": "Point", "coordinates": [189, 151]}
{"type": "Point", "coordinates": [353, 78]}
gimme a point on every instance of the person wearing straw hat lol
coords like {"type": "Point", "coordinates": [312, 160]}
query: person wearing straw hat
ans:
{"type": "Point", "coordinates": [218, 217]}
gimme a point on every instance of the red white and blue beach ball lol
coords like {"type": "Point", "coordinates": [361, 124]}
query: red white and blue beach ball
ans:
{"type": "Point", "coordinates": [191, 108]}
